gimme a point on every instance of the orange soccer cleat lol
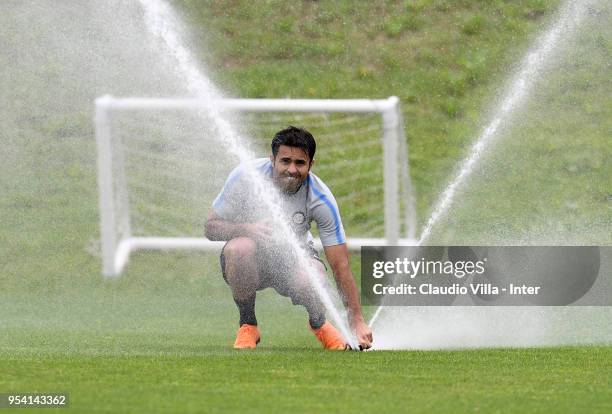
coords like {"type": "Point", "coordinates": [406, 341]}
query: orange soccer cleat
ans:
{"type": "Point", "coordinates": [247, 337]}
{"type": "Point", "coordinates": [329, 337]}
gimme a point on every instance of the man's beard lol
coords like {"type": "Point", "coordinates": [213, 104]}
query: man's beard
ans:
{"type": "Point", "coordinates": [289, 184]}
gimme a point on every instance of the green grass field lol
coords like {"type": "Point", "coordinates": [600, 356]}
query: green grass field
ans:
{"type": "Point", "coordinates": [145, 345]}
{"type": "Point", "coordinates": [158, 339]}
{"type": "Point", "coordinates": [281, 379]}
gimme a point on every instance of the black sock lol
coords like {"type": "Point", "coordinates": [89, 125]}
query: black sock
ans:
{"type": "Point", "coordinates": [247, 311]}
{"type": "Point", "coordinates": [316, 319]}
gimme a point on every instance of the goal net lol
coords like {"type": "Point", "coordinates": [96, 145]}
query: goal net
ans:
{"type": "Point", "coordinates": [161, 166]}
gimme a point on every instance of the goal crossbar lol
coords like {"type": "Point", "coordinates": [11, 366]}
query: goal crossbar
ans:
{"type": "Point", "coordinates": [254, 105]}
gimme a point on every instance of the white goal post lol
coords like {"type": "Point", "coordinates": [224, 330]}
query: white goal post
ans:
{"type": "Point", "coordinates": [117, 247]}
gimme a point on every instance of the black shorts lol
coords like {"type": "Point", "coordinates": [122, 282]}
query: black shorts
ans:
{"type": "Point", "coordinates": [277, 267]}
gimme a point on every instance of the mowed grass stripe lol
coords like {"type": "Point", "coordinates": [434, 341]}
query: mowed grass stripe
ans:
{"type": "Point", "coordinates": [279, 380]}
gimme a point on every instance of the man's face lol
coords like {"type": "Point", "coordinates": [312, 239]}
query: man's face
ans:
{"type": "Point", "coordinates": [290, 168]}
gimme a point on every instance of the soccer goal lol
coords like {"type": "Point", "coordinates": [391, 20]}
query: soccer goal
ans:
{"type": "Point", "coordinates": [160, 167]}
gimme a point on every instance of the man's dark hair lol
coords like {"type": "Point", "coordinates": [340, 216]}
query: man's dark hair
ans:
{"type": "Point", "coordinates": [295, 137]}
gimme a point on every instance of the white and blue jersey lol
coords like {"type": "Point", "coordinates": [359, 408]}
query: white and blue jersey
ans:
{"type": "Point", "coordinates": [312, 202]}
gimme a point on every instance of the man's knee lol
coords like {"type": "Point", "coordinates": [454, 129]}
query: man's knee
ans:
{"type": "Point", "coordinates": [239, 250]}
{"type": "Point", "coordinates": [314, 275]}
{"type": "Point", "coordinates": [239, 262]}
{"type": "Point", "coordinates": [303, 284]}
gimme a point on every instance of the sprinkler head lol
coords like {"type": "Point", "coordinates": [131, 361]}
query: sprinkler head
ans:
{"type": "Point", "coordinates": [356, 349]}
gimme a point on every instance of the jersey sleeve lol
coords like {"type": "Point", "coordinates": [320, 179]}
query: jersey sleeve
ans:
{"type": "Point", "coordinates": [228, 203]}
{"type": "Point", "coordinates": [327, 216]}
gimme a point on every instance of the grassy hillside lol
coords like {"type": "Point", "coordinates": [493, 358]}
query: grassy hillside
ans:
{"type": "Point", "coordinates": [449, 63]}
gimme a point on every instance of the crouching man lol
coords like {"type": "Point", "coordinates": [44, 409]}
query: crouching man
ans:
{"type": "Point", "coordinates": [253, 259]}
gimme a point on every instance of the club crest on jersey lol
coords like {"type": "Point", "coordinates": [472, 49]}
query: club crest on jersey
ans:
{"type": "Point", "coordinates": [298, 218]}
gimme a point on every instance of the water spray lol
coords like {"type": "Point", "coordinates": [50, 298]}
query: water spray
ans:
{"type": "Point", "coordinates": [163, 24]}
{"type": "Point", "coordinates": [519, 87]}
{"type": "Point", "coordinates": [570, 17]}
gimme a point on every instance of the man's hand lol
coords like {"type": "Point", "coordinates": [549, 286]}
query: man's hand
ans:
{"type": "Point", "coordinates": [219, 229]}
{"type": "Point", "coordinates": [338, 258]}
{"type": "Point", "coordinates": [260, 231]}
{"type": "Point", "coordinates": [363, 333]}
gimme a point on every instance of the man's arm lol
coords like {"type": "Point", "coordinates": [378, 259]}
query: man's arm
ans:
{"type": "Point", "coordinates": [219, 229]}
{"type": "Point", "coordinates": [338, 258]}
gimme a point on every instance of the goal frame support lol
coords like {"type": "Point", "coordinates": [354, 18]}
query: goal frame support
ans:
{"type": "Point", "coordinates": [116, 252]}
